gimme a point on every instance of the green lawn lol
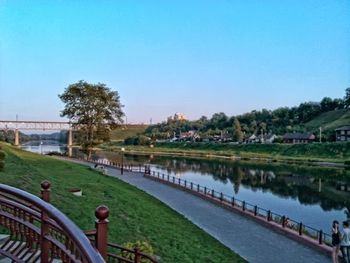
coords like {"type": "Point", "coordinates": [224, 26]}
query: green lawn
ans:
{"type": "Point", "coordinates": [134, 215]}
{"type": "Point", "coordinates": [123, 132]}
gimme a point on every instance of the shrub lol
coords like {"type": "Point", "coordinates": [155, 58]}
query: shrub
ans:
{"type": "Point", "coordinates": [2, 158]}
{"type": "Point", "coordinates": [2, 155]}
{"type": "Point", "coordinates": [138, 140]}
{"type": "Point", "coordinates": [144, 247]}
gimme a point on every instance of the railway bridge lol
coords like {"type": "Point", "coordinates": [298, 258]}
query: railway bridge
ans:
{"type": "Point", "coordinates": [16, 126]}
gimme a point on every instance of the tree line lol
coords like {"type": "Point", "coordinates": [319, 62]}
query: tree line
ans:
{"type": "Point", "coordinates": [278, 121]}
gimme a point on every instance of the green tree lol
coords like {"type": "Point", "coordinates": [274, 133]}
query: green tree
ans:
{"type": "Point", "coordinates": [237, 131]}
{"type": "Point", "coordinates": [347, 98]}
{"type": "Point", "coordinates": [92, 108]}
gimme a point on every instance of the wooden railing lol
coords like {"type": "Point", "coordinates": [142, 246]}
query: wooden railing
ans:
{"type": "Point", "coordinates": [113, 252]}
{"type": "Point", "coordinates": [39, 232]}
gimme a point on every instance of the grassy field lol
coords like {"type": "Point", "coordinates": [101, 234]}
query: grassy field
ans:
{"type": "Point", "coordinates": [134, 215]}
{"type": "Point", "coordinates": [123, 132]}
{"type": "Point", "coordinates": [329, 120]}
{"type": "Point", "coordinates": [325, 152]}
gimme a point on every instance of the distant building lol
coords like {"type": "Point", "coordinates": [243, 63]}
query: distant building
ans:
{"type": "Point", "coordinates": [263, 138]}
{"type": "Point", "coordinates": [298, 137]}
{"type": "Point", "coordinates": [179, 116]}
{"type": "Point", "coordinates": [342, 134]}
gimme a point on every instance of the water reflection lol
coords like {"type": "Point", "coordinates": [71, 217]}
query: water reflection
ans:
{"type": "Point", "coordinates": [313, 195]}
{"type": "Point", "coordinates": [44, 147]}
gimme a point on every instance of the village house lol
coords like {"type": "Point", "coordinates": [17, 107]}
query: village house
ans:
{"type": "Point", "coordinates": [265, 138]}
{"type": "Point", "coordinates": [342, 134]}
{"type": "Point", "coordinates": [298, 137]}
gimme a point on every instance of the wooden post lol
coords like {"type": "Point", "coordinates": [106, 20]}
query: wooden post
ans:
{"type": "Point", "coordinates": [221, 197]}
{"type": "Point", "coordinates": [45, 191]}
{"type": "Point", "coordinates": [255, 210]}
{"type": "Point", "coordinates": [233, 201]}
{"type": "Point", "coordinates": [137, 258]}
{"type": "Point", "coordinates": [212, 193]}
{"type": "Point", "coordinates": [45, 227]}
{"type": "Point", "coordinates": [101, 224]}
{"type": "Point", "coordinates": [243, 205]}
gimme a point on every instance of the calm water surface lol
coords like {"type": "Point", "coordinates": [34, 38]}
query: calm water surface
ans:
{"type": "Point", "coordinates": [44, 147]}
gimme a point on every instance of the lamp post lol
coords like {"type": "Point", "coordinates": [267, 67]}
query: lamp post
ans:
{"type": "Point", "coordinates": [122, 168]}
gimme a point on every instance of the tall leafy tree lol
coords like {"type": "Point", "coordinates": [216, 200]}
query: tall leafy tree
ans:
{"type": "Point", "coordinates": [94, 109]}
{"type": "Point", "coordinates": [237, 131]}
{"type": "Point", "coordinates": [347, 98]}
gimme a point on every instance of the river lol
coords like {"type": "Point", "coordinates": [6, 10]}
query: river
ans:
{"type": "Point", "coordinates": [313, 195]}
{"type": "Point", "coordinates": [44, 147]}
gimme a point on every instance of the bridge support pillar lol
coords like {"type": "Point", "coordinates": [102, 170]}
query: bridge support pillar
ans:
{"type": "Point", "coordinates": [16, 137]}
{"type": "Point", "coordinates": [70, 142]}
{"type": "Point", "coordinates": [70, 138]}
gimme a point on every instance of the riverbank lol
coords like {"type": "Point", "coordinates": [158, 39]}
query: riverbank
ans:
{"type": "Point", "coordinates": [256, 243]}
{"type": "Point", "coordinates": [325, 154]}
{"type": "Point", "coordinates": [134, 215]}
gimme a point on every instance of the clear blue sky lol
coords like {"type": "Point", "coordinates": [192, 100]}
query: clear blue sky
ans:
{"type": "Point", "coordinates": [195, 57]}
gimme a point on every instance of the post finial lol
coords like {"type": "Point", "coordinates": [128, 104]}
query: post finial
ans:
{"type": "Point", "coordinates": [45, 185]}
{"type": "Point", "coordinates": [102, 212]}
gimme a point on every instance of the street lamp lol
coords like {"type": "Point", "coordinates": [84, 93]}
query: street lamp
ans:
{"type": "Point", "coordinates": [122, 169]}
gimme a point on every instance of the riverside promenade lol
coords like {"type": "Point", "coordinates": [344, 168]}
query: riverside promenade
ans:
{"type": "Point", "coordinates": [253, 242]}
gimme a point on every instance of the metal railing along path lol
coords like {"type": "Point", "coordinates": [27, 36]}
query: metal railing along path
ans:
{"type": "Point", "coordinates": [317, 238]}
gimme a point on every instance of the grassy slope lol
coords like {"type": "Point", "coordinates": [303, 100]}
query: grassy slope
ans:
{"type": "Point", "coordinates": [122, 132]}
{"type": "Point", "coordinates": [330, 120]}
{"type": "Point", "coordinates": [134, 214]}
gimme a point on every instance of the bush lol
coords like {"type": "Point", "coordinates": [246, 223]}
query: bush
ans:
{"type": "Point", "coordinates": [138, 140]}
{"type": "Point", "coordinates": [2, 155]}
{"type": "Point", "coordinates": [144, 247]}
{"type": "Point", "coordinates": [2, 158]}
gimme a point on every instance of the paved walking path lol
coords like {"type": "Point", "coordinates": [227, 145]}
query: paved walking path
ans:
{"type": "Point", "coordinates": [250, 240]}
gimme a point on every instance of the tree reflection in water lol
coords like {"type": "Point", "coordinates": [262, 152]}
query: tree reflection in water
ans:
{"type": "Point", "coordinates": [309, 184]}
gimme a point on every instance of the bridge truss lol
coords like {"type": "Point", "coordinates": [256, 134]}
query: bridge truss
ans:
{"type": "Point", "coordinates": [34, 125]}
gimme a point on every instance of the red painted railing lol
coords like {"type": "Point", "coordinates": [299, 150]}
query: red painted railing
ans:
{"type": "Point", "coordinates": [40, 232]}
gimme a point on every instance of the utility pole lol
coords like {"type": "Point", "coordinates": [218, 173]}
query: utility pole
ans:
{"type": "Point", "coordinates": [320, 134]}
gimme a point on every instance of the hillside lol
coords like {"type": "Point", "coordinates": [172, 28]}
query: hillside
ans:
{"type": "Point", "coordinates": [329, 120]}
{"type": "Point", "coordinates": [125, 131]}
